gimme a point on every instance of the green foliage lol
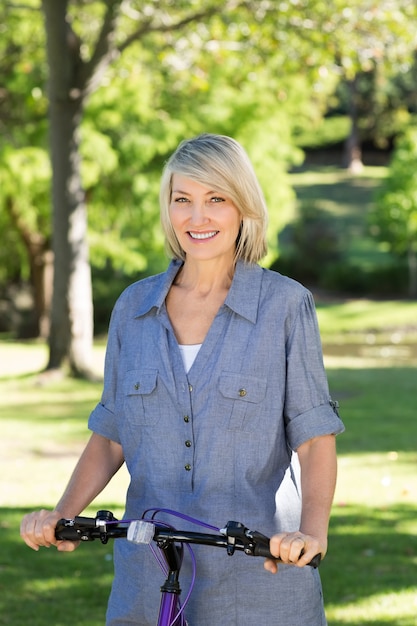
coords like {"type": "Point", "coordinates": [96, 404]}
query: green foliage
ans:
{"type": "Point", "coordinates": [394, 220]}
{"type": "Point", "coordinates": [27, 171]}
{"type": "Point", "coordinates": [373, 47]}
{"type": "Point", "coordinates": [25, 176]}
{"type": "Point", "coordinates": [308, 245]}
{"type": "Point", "coordinates": [224, 74]}
{"type": "Point", "coordinates": [331, 130]}
{"type": "Point", "coordinates": [387, 280]}
{"type": "Point", "coordinates": [23, 101]}
{"type": "Point", "coordinates": [24, 168]}
{"type": "Point", "coordinates": [144, 130]}
{"type": "Point", "coordinates": [381, 101]}
{"type": "Point", "coordinates": [262, 72]}
{"type": "Point", "coordinates": [327, 245]}
{"type": "Point", "coordinates": [365, 33]}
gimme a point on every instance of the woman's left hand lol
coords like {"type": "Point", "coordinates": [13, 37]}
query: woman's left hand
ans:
{"type": "Point", "coordinates": [294, 548]}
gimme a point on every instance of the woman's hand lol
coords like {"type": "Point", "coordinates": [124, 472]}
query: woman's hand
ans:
{"type": "Point", "coordinates": [294, 549]}
{"type": "Point", "coordinates": [38, 530]}
{"type": "Point", "coordinates": [318, 467]}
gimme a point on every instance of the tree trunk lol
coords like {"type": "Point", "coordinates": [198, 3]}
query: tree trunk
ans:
{"type": "Point", "coordinates": [71, 333]}
{"type": "Point", "coordinates": [352, 156]}
{"type": "Point", "coordinates": [412, 272]}
{"type": "Point", "coordinates": [41, 267]}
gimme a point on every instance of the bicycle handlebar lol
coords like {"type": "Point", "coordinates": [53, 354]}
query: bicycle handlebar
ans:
{"type": "Point", "coordinates": [235, 536]}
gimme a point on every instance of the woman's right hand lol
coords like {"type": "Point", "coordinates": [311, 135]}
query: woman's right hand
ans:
{"type": "Point", "coordinates": [38, 530]}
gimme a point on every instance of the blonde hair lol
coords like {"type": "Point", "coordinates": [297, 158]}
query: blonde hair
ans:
{"type": "Point", "coordinates": [221, 163]}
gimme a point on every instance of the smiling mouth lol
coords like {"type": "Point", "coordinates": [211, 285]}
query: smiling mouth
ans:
{"type": "Point", "coordinates": [200, 236]}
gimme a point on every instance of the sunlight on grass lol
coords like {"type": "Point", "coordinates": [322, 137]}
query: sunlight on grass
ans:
{"type": "Point", "coordinates": [364, 333]}
{"type": "Point", "coordinates": [332, 175]}
{"type": "Point", "coordinates": [398, 608]}
{"type": "Point", "coordinates": [44, 429]}
{"type": "Point", "coordinates": [377, 479]}
{"type": "Point", "coordinates": [367, 315]}
{"type": "Point", "coordinates": [32, 357]}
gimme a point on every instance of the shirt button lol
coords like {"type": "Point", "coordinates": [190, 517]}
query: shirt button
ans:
{"type": "Point", "coordinates": [190, 388]}
{"type": "Point", "coordinates": [242, 392]}
{"type": "Point", "coordinates": [137, 385]}
{"type": "Point", "coordinates": [188, 443]}
{"type": "Point", "coordinates": [187, 467]}
{"type": "Point", "coordinates": [186, 419]}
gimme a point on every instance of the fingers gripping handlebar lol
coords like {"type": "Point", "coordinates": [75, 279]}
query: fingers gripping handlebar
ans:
{"type": "Point", "coordinates": [104, 527]}
{"type": "Point", "coordinates": [235, 536]}
{"type": "Point", "coordinates": [255, 543]}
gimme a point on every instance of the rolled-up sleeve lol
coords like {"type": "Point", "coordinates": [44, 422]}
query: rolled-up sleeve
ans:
{"type": "Point", "coordinates": [309, 410]}
{"type": "Point", "coordinates": [102, 421]}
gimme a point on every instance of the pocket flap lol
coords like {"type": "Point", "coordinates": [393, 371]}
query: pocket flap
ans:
{"type": "Point", "coordinates": [242, 387]}
{"type": "Point", "coordinates": [140, 382]}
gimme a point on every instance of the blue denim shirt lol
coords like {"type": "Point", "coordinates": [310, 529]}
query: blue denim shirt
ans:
{"type": "Point", "coordinates": [214, 443]}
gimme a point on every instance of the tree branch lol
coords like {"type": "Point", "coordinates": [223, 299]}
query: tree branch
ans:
{"type": "Point", "coordinates": [147, 27]}
{"type": "Point", "coordinates": [25, 7]}
{"type": "Point", "coordinates": [106, 51]}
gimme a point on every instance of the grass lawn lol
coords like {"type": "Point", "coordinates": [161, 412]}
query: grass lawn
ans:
{"type": "Point", "coordinates": [43, 431]}
{"type": "Point", "coordinates": [370, 573]}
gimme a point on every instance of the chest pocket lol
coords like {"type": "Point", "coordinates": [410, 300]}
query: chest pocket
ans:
{"type": "Point", "coordinates": [242, 397]}
{"type": "Point", "coordinates": [141, 402]}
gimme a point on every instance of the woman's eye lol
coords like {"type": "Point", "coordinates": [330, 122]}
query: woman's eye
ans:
{"type": "Point", "coordinates": [217, 199]}
{"type": "Point", "coordinates": [181, 199]}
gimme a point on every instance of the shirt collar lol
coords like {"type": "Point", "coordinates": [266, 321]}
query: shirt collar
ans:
{"type": "Point", "coordinates": [243, 296]}
{"type": "Point", "coordinates": [158, 287]}
{"type": "Point", "coordinates": [244, 293]}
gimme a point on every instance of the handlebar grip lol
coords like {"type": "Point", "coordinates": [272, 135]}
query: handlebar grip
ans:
{"type": "Point", "coordinates": [262, 549]}
{"type": "Point", "coordinates": [85, 528]}
{"type": "Point", "coordinates": [70, 529]}
{"type": "Point", "coordinates": [315, 561]}
{"type": "Point", "coordinates": [65, 532]}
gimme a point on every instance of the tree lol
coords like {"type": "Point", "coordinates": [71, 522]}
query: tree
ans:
{"type": "Point", "coordinates": [28, 170]}
{"type": "Point", "coordinates": [118, 167]}
{"type": "Point", "coordinates": [264, 58]}
{"type": "Point", "coordinates": [369, 38]}
{"type": "Point", "coordinates": [25, 170]}
{"type": "Point", "coordinates": [75, 70]}
{"type": "Point", "coordinates": [394, 219]}
{"type": "Point", "coordinates": [72, 79]}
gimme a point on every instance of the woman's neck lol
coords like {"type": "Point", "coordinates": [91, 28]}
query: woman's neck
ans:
{"type": "Point", "coordinates": [205, 277]}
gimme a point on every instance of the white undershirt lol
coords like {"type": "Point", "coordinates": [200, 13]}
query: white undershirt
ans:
{"type": "Point", "coordinates": [189, 354]}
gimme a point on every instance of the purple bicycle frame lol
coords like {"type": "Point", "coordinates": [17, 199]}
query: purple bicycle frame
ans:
{"type": "Point", "coordinates": [168, 611]}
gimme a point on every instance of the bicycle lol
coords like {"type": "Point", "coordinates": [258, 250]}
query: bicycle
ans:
{"type": "Point", "coordinates": [170, 544]}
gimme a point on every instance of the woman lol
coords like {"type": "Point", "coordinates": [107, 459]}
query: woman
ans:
{"type": "Point", "coordinates": [213, 380]}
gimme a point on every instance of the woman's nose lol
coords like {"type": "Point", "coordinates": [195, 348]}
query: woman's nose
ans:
{"type": "Point", "coordinates": [198, 213]}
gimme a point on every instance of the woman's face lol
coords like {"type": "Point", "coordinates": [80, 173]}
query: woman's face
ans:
{"type": "Point", "coordinates": [205, 221]}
